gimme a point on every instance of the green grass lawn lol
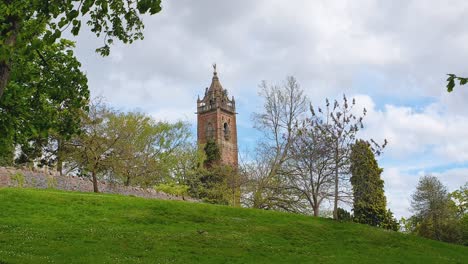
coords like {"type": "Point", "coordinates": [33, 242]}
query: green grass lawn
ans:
{"type": "Point", "coordinates": [45, 226]}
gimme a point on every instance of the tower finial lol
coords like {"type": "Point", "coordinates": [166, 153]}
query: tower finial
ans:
{"type": "Point", "coordinates": [214, 69]}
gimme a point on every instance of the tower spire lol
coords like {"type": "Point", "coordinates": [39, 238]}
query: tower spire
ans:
{"type": "Point", "coordinates": [215, 73]}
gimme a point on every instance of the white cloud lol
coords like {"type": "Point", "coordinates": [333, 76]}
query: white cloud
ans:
{"type": "Point", "coordinates": [420, 141]}
{"type": "Point", "coordinates": [430, 131]}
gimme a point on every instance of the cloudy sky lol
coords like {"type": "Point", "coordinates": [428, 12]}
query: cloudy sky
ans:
{"type": "Point", "coordinates": [392, 56]}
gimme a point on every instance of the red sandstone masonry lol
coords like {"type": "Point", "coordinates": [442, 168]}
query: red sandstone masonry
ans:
{"type": "Point", "coordinates": [43, 179]}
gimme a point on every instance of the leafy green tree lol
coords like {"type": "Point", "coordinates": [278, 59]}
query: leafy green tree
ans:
{"type": "Point", "coordinates": [128, 147]}
{"type": "Point", "coordinates": [27, 25]}
{"type": "Point", "coordinates": [91, 152]}
{"type": "Point", "coordinates": [434, 216]}
{"type": "Point", "coordinates": [460, 199]}
{"type": "Point", "coordinates": [146, 153]}
{"type": "Point", "coordinates": [215, 185]}
{"type": "Point", "coordinates": [460, 206]}
{"type": "Point", "coordinates": [369, 205]}
{"type": "Point", "coordinates": [42, 105]}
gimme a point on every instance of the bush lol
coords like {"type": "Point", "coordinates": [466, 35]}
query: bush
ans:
{"type": "Point", "coordinates": [19, 178]}
{"type": "Point", "coordinates": [173, 188]}
{"type": "Point", "coordinates": [344, 215]}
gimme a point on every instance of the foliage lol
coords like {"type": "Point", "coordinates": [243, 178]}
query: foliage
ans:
{"type": "Point", "coordinates": [27, 26]}
{"type": "Point", "coordinates": [136, 230]}
{"type": "Point", "coordinates": [344, 215]}
{"type": "Point", "coordinates": [369, 201]}
{"type": "Point", "coordinates": [460, 200]}
{"type": "Point", "coordinates": [213, 154]}
{"type": "Point", "coordinates": [131, 148]}
{"type": "Point", "coordinates": [42, 105]}
{"type": "Point", "coordinates": [173, 188]}
{"type": "Point", "coordinates": [460, 206]}
{"type": "Point", "coordinates": [145, 153]}
{"type": "Point", "coordinates": [91, 151]}
{"type": "Point", "coordinates": [451, 81]}
{"type": "Point", "coordinates": [19, 178]}
{"type": "Point", "coordinates": [390, 222]}
{"type": "Point", "coordinates": [434, 212]}
{"type": "Point", "coordinates": [216, 185]}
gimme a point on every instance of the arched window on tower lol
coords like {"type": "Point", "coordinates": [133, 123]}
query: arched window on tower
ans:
{"type": "Point", "coordinates": [209, 131]}
{"type": "Point", "coordinates": [226, 131]}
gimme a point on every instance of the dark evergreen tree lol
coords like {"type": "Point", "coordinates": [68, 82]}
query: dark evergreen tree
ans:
{"type": "Point", "coordinates": [344, 215]}
{"type": "Point", "coordinates": [368, 187]}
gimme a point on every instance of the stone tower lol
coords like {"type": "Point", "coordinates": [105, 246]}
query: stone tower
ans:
{"type": "Point", "coordinates": [217, 121]}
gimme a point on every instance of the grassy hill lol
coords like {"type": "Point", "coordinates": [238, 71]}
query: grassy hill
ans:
{"type": "Point", "coordinates": [66, 227]}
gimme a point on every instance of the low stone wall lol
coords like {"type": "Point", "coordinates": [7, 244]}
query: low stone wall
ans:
{"type": "Point", "coordinates": [44, 179]}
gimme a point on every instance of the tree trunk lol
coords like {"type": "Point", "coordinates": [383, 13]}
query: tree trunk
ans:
{"type": "Point", "coordinates": [335, 204]}
{"type": "Point", "coordinates": [95, 182]}
{"type": "Point", "coordinates": [59, 156]}
{"type": "Point", "coordinates": [10, 41]}
{"type": "Point", "coordinates": [127, 181]}
{"type": "Point", "coordinates": [316, 210]}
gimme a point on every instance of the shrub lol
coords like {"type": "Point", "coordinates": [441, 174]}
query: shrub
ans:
{"type": "Point", "coordinates": [344, 215]}
{"type": "Point", "coordinates": [19, 178]}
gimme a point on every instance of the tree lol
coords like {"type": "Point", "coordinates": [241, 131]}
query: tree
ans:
{"type": "Point", "coordinates": [460, 199]}
{"type": "Point", "coordinates": [26, 26]}
{"type": "Point", "coordinates": [128, 147]}
{"type": "Point", "coordinates": [339, 124]}
{"type": "Point", "coordinates": [283, 107]}
{"type": "Point", "coordinates": [460, 206]}
{"type": "Point", "coordinates": [369, 201]}
{"type": "Point", "coordinates": [344, 215]}
{"type": "Point", "coordinates": [92, 150]}
{"type": "Point", "coordinates": [433, 213]}
{"type": "Point", "coordinates": [146, 152]}
{"type": "Point", "coordinates": [310, 163]}
{"type": "Point", "coordinates": [42, 105]}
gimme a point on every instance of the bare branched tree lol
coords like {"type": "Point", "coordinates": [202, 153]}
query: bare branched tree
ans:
{"type": "Point", "coordinates": [284, 105]}
{"type": "Point", "coordinates": [339, 123]}
{"type": "Point", "coordinates": [311, 171]}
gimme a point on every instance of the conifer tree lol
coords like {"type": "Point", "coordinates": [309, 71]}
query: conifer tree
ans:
{"type": "Point", "coordinates": [368, 187]}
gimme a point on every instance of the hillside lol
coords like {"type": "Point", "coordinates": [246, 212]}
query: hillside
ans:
{"type": "Point", "coordinates": [45, 226]}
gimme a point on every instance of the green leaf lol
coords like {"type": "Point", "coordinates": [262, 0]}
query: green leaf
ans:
{"type": "Point", "coordinates": [76, 27]}
{"type": "Point", "coordinates": [73, 14]}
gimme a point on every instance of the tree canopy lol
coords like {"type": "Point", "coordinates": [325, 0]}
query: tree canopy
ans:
{"type": "Point", "coordinates": [45, 97]}
{"type": "Point", "coordinates": [26, 26]}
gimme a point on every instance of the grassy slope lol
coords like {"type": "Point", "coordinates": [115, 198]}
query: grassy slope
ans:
{"type": "Point", "coordinates": [40, 226]}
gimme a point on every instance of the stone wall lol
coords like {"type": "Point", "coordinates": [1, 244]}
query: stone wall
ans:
{"type": "Point", "coordinates": [44, 179]}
